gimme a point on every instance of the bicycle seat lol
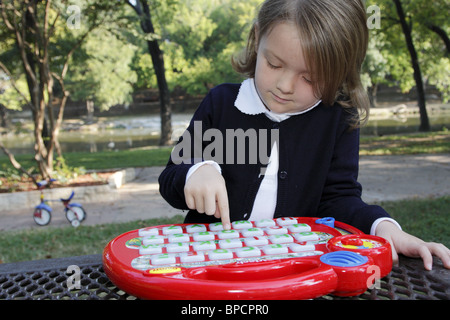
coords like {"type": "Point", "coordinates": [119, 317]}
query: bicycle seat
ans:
{"type": "Point", "coordinates": [43, 183]}
{"type": "Point", "coordinates": [69, 198]}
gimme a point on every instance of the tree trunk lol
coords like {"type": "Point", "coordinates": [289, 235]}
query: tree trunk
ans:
{"type": "Point", "coordinates": [441, 33]}
{"type": "Point", "coordinates": [158, 64]}
{"type": "Point", "coordinates": [90, 111]}
{"type": "Point", "coordinates": [372, 92]}
{"type": "Point", "coordinates": [424, 121]}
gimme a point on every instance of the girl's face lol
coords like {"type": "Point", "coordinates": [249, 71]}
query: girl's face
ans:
{"type": "Point", "coordinates": [282, 77]}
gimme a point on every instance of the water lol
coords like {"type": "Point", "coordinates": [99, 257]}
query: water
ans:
{"type": "Point", "coordinates": [404, 125]}
{"type": "Point", "coordinates": [124, 133]}
{"type": "Point", "coordinates": [109, 134]}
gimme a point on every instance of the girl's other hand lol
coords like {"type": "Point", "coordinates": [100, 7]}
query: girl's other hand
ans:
{"type": "Point", "coordinates": [411, 246]}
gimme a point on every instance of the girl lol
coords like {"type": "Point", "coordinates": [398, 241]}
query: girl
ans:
{"type": "Point", "coordinates": [302, 101]}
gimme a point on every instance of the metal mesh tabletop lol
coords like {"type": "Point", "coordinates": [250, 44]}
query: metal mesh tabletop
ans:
{"type": "Point", "coordinates": [48, 280]}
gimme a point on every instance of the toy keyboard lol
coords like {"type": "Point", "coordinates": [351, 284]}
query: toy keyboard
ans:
{"type": "Point", "coordinates": [283, 258]}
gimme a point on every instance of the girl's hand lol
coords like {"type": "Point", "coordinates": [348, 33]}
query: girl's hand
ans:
{"type": "Point", "coordinates": [205, 191]}
{"type": "Point", "coordinates": [408, 245]}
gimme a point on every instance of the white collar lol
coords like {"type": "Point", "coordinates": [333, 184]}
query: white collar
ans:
{"type": "Point", "coordinates": [249, 102]}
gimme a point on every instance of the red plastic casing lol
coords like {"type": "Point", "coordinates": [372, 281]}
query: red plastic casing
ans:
{"type": "Point", "coordinates": [303, 277]}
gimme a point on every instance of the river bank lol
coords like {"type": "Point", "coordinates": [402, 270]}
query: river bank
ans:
{"type": "Point", "coordinates": [135, 131]}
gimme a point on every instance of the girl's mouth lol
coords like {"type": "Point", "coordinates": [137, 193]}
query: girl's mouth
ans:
{"type": "Point", "coordinates": [279, 99]}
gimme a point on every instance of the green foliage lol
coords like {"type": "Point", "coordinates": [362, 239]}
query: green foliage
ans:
{"type": "Point", "coordinates": [198, 38]}
{"type": "Point", "coordinates": [103, 74]}
{"type": "Point", "coordinates": [394, 65]}
{"type": "Point", "coordinates": [64, 173]}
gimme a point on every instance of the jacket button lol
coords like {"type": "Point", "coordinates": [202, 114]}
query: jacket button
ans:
{"type": "Point", "coordinates": [283, 175]}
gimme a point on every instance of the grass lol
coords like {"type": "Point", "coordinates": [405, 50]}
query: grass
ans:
{"type": "Point", "coordinates": [430, 142]}
{"type": "Point", "coordinates": [57, 242]}
{"type": "Point", "coordinates": [418, 143]}
{"type": "Point", "coordinates": [143, 157]}
{"type": "Point", "coordinates": [427, 219]}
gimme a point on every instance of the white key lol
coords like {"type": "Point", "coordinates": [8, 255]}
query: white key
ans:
{"type": "Point", "coordinates": [172, 230]}
{"type": "Point", "coordinates": [220, 254]}
{"type": "Point", "coordinates": [252, 232]}
{"type": "Point", "coordinates": [230, 243]}
{"type": "Point", "coordinates": [164, 258]}
{"type": "Point", "coordinates": [153, 240]}
{"type": "Point", "coordinates": [179, 237]}
{"type": "Point", "coordinates": [248, 252]}
{"type": "Point", "coordinates": [306, 236]}
{"type": "Point", "coordinates": [204, 245]}
{"type": "Point", "coordinates": [192, 228]}
{"type": "Point", "coordinates": [177, 247]}
{"type": "Point", "coordinates": [281, 238]}
{"type": "Point", "coordinates": [296, 247]}
{"type": "Point", "coordinates": [150, 231]}
{"type": "Point", "coordinates": [203, 236]}
{"type": "Point", "coordinates": [150, 249]}
{"type": "Point", "coordinates": [256, 241]}
{"type": "Point", "coordinates": [228, 234]}
{"type": "Point", "coordinates": [186, 257]}
{"type": "Point", "coordinates": [216, 226]}
{"type": "Point", "coordinates": [275, 249]}
{"type": "Point", "coordinates": [265, 223]}
{"type": "Point", "coordinates": [286, 221]}
{"type": "Point", "coordinates": [299, 227]}
{"type": "Point", "coordinates": [241, 224]}
{"type": "Point", "coordinates": [276, 230]}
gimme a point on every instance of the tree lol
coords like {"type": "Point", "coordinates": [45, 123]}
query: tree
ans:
{"type": "Point", "coordinates": [375, 68]}
{"type": "Point", "coordinates": [102, 73]}
{"type": "Point", "coordinates": [142, 9]}
{"type": "Point", "coordinates": [413, 49]}
{"type": "Point", "coordinates": [406, 27]}
{"type": "Point", "coordinates": [44, 50]}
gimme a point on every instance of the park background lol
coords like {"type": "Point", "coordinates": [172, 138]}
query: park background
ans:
{"type": "Point", "coordinates": [99, 85]}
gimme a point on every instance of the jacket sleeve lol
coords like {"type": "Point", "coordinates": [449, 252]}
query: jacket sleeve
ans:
{"type": "Point", "coordinates": [341, 196]}
{"type": "Point", "coordinates": [186, 153]}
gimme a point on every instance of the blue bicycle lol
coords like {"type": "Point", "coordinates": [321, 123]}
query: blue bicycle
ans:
{"type": "Point", "coordinates": [42, 215]}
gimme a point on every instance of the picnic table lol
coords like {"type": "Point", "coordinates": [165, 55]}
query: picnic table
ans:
{"type": "Point", "coordinates": [50, 279]}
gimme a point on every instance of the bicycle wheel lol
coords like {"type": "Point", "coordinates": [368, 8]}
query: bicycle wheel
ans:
{"type": "Point", "coordinates": [42, 216]}
{"type": "Point", "coordinates": [75, 214]}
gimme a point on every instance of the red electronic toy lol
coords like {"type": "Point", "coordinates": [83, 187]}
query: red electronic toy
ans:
{"type": "Point", "coordinates": [284, 258]}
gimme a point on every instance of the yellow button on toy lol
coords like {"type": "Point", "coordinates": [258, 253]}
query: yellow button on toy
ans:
{"type": "Point", "coordinates": [164, 270]}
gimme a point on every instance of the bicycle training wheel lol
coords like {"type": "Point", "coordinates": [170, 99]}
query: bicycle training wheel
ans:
{"type": "Point", "coordinates": [75, 215]}
{"type": "Point", "coordinates": [42, 216]}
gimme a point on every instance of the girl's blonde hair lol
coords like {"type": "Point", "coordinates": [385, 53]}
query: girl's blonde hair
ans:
{"type": "Point", "coordinates": [334, 38]}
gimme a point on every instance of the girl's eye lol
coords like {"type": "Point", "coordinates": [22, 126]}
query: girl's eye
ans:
{"type": "Point", "coordinates": [307, 80]}
{"type": "Point", "coordinates": [271, 66]}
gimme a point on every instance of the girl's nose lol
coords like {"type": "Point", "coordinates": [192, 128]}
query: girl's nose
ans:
{"type": "Point", "coordinates": [286, 83]}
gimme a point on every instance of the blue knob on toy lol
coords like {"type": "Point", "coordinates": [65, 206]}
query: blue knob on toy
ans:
{"type": "Point", "coordinates": [328, 221]}
{"type": "Point", "coordinates": [343, 259]}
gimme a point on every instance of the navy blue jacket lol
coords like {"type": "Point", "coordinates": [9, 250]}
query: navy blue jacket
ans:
{"type": "Point", "coordinates": [318, 162]}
